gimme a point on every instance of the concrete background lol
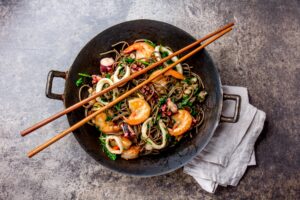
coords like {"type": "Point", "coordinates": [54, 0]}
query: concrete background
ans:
{"type": "Point", "coordinates": [262, 54]}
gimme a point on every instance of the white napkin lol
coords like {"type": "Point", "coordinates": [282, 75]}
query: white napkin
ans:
{"type": "Point", "coordinates": [226, 157]}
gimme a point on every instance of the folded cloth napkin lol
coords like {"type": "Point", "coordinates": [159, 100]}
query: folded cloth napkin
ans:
{"type": "Point", "coordinates": [226, 157]}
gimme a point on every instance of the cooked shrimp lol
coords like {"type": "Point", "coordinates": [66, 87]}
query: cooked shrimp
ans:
{"type": "Point", "coordinates": [105, 126]}
{"type": "Point", "coordinates": [143, 50]}
{"type": "Point", "coordinates": [140, 111]}
{"type": "Point", "coordinates": [131, 153]}
{"type": "Point", "coordinates": [183, 121]}
{"type": "Point", "coordinates": [160, 83]}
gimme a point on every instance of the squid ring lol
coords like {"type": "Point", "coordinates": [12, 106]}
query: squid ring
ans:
{"type": "Point", "coordinates": [99, 88]}
{"type": "Point", "coordinates": [150, 143]}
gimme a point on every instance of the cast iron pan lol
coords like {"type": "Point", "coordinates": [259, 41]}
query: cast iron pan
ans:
{"type": "Point", "coordinates": [87, 61]}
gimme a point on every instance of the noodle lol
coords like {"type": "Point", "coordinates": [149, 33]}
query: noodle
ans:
{"type": "Point", "coordinates": [165, 96]}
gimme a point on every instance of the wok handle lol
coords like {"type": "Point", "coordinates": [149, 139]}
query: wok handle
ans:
{"type": "Point", "coordinates": [51, 75]}
{"type": "Point", "coordinates": [235, 117]}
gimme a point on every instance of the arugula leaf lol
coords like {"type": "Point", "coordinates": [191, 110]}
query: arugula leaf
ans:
{"type": "Point", "coordinates": [169, 62]}
{"type": "Point", "coordinates": [162, 100]}
{"type": "Point", "coordinates": [187, 80]}
{"type": "Point", "coordinates": [158, 117]}
{"type": "Point", "coordinates": [185, 102]}
{"type": "Point", "coordinates": [112, 156]}
{"type": "Point", "coordinates": [129, 60]}
{"type": "Point", "coordinates": [108, 118]}
{"type": "Point", "coordinates": [164, 54]}
{"type": "Point", "coordinates": [107, 76]}
{"type": "Point", "coordinates": [160, 67]}
{"type": "Point", "coordinates": [193, 112]}
{"type": "Point", "coordinates": [118, 106]}
{"type": "Point", "coordinates": [79, 82]}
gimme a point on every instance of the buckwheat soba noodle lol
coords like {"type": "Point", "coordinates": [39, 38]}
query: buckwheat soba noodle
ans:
{"type": "Point", "coordinates": [156, 117]}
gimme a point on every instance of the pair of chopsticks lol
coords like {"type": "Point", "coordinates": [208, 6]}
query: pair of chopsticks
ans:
{"type": "Point", "coordinates": [210, 38]}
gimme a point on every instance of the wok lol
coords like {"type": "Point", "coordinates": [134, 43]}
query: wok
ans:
{"type": "Point", "coordinates": [87, 61]}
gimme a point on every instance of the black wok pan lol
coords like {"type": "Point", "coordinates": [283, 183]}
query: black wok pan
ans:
{"type": "Point", "coordinates": [87, 61]}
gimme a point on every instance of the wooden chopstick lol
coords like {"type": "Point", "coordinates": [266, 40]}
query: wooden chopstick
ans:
{"type": "Point", "coordinates": [79, 104]}
{"type": "Point", "coordinates": [122, 97]}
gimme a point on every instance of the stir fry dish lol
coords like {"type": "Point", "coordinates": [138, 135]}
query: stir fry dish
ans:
{"type": "Point", "coordinates": [156, 117]}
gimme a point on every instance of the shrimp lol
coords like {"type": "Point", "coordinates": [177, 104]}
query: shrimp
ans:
{"type": "Point", "coordinates": [160, 82]}
{"type": "Point", "coordinates": [131, 153]}
{"type": "Point", "coordinates": [105, 126]}
{"type": "Point", "coordinates": [143, 50]}
{"type": "Point", "coordinates": [183, 122]}
{"type": "Point", "coordinates": [140, 111]}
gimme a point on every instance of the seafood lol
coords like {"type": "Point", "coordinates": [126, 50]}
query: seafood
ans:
{"type": "Point", "coordinates": [183, 122]}
{"type": "Point", "coordinates": [117, 72]}
{"type": "Point", "coordinates": [143, 50]}
{"type": "Point", "coordinates": [161, 49]}
{"type": "Point", "coordinates": [140, 111]}
{"type": "Point", "coordinates": [150, 144]}
{"type": "Point", "coordinates": [105, 126]}
{"type": "Point", "coordinates": [151, 119]}
{"type": "Point", "coordinates": [118, 148]}
{"type": "Point", "coordinates": [131, 153]}
{"type": "Point", "coordinates": [100, 86]}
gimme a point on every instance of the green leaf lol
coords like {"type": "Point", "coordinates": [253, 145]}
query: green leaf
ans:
{"type": "Point", "coordinates": [107, 76]}
{"type": "Point", "coordinates": [187, 80]}
{"type": "Point", "coordinates": [118, 106]}
{"type": "Point", "coordinates": [160, 67]}
{"type": "Point", "coordinates": [164, 54]}
{"type": "Point", "coordinates": [169, 62]}
{"type": "Point", "coordinates": [79, 82]}
{"type": "Point", "coordinates": [193, 112]}
{"type": "Point", "coordinates": [108, 118]}
{"type": "Point", "coordinates": [85, 75]}
{"type": "Point", "coordinates": [112, 156]}
{"type": "Point", "coordinates": [158, 117]}
{"type": "Point", "coordinates": [129, 60]}
{"type": "Point", "coordinates": [162, 100]}
{"type": "Point", "coordinates": [144, 62]}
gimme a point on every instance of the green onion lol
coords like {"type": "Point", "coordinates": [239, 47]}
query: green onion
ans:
{"type": "Point", "coordinates": [85, 75]}
{"type": "Point", "coordinates": [144, 62]}
{"type": "Point", "coordinates": [79, 82]}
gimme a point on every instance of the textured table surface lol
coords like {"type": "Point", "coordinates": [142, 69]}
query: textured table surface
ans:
{"type": "Point", "coordinates": [262, 54]}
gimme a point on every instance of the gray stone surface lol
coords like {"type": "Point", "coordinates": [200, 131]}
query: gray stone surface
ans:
{"type": "Point", "coordinates": [262, 53]}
